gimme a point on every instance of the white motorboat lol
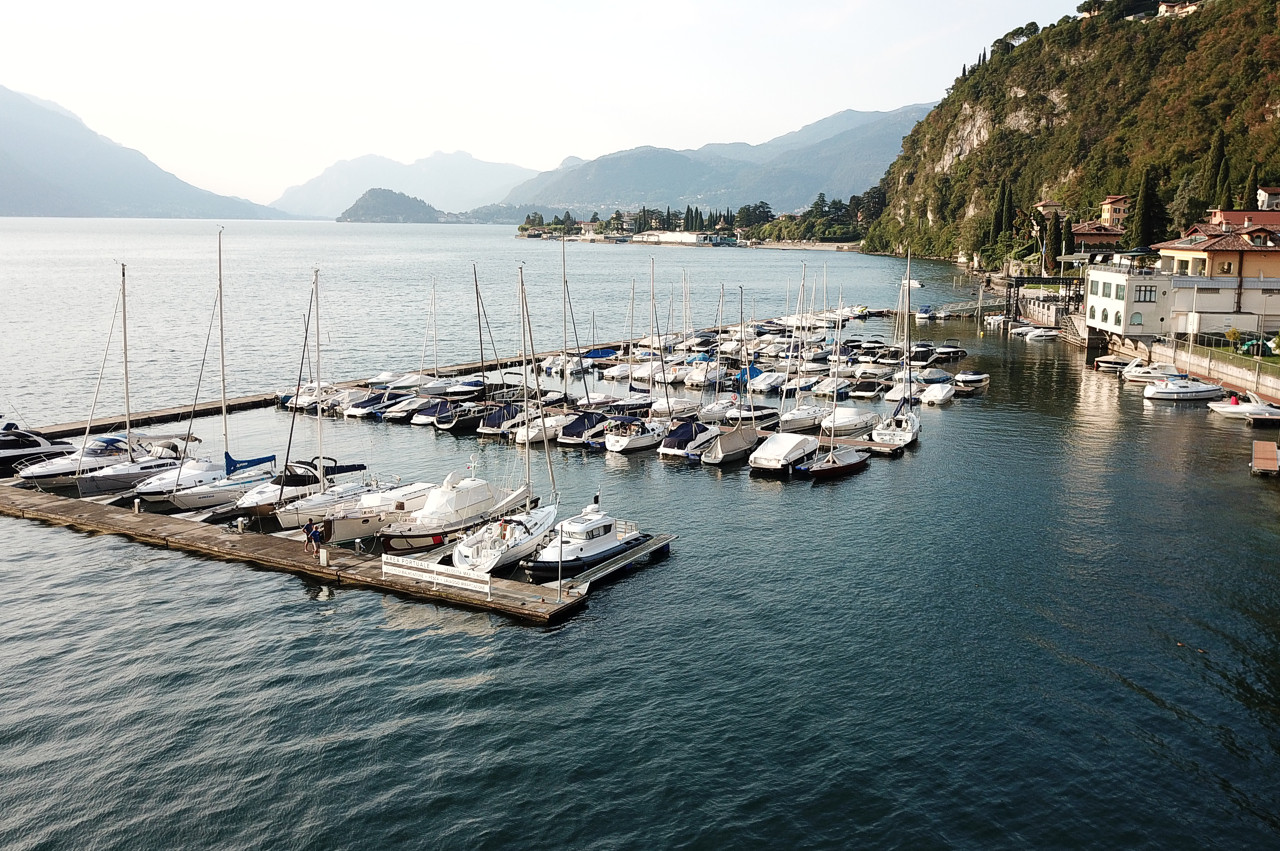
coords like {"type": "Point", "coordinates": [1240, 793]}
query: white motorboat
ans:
{"type": "Point", "coordinates": [767, 382]}
{"type": "Point", "coordinates": [99, 451]}
{"type": "Point", "coordinates": [802, 417]}
{"type": "Point", "coordinates": [367, 514]}
{"type": "Point", "coordinates": [1043, 334]}
{"type": "Point", "coordinates": [800, 384]}
{"type": "Point", "coordinates": [901, 391]}
{"type": "Point", "coordinates": [900, 429]}
{"type": "Point", "coordinates": [687, 440]}
{"type": "Point", "coordinates": [586, 426]}
{"type": "Point", "coordinates": [543, 429]}
{"type": "Point", "coordinates": [617, 372]}
{"type": "Point", "coordinates": [161, 455]}
{"type": "Point", "coordinates": [756, 416]}
{"type": "Point", "coordinates": [972, 378]}
{"type": "Point", "coordinates": [938, 394]}
{"type": "Point", "coordinates": [1112, 363]}
{"type": "Point", "coordinates": [581, 542]}
{"type": "Point", "coordinates": [1181, 390]}
{"type": "Point", "coordinates": [1137, 373]}
{"type": "Point", "coordinates": [22, 448]}
{"type": "Point", "coordinates": [505, 541]}
{"type": "Point", "coordinates": [849, 422]}
{"type": "Point", "coordinates": [458, 504]}
{"type": "Point", "coordinates": [715, 411]}
{"type": "Point", "coordinates": [781, 452]}
{"type": "Point", "coordinates": [833, 387]}
{"type": "Point", "coordinates": [674, 406]}
{"type": "Point", "coordinates": [313, 507]}
{"type": "Point", "coordinates": [632, 434]}
{"type": "Point", "coordinates": [950, 350]}
{"type": "Point", "coordinates": [296, 480]}
{"type": "Point", "coordinates": [732, 445]}
{"type": "Point", "coordinates": [873, 371]}
{"type": "Point", "coordinates": [1251, 406]}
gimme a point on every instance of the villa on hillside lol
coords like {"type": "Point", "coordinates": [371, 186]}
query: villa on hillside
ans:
{"type": "Point", "coordinates": [1213, 278]}
{"type": "Point", "coordinates": [1115, 209]}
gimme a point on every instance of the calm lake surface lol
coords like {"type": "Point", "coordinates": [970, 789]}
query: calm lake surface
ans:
{"type": "Point", "coordinates": [1054, 623]}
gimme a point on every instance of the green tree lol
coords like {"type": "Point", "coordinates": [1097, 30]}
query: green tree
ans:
{"type": "Point", "coordinates": [1250, 200]}
{"type": "Point", "coordinates": [1052, 243]}
{"type": "Point", "coordinates": [1068, 237]}
{"type": "Point", "coordinates": [1147, 219]}
{"type": "Point", "coordinates": [1223, 190]}
{"type": "Point", "coordinates": [1186, 209]}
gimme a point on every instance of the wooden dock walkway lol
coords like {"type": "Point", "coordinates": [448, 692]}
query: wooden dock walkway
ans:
{"type": "Point", "coordinates": [1266, 459]}
{"type": "Point", "coordinates": [521, 600]}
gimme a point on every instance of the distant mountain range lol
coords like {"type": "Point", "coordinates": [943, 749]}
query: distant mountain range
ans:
{"type": "Point", "coordinates": [841, 155]}
{"type": "Point", "coordinates": [51, 164]}
{"type": "Point", "coordinates": [455, 182]}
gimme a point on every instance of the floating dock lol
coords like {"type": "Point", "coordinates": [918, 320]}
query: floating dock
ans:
{"type": "Point", "coordinates": [537, 604]}
{"type": "Point", "coordinates": [1265, 458]}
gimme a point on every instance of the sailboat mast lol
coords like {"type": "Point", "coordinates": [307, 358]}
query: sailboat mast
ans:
{"type": "Point", "coordinates": [475, 277]}
{"type": "Point", "coordinates": [564, 314]}
{"type": "Point", "coordinates": [315, 294]}
{"type": "Point", "coordinates": [524, 381]}
{"type": "Point", "coordinates": [222, 351]}
{"type": "Point", "coordinates": [124, 328]}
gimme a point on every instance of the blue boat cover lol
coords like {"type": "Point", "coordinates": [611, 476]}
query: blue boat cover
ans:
{"type": "Point", "coordinates": [600, 353]}
{"type": "Point", "coordinates": [233, 465]}
{"type": "Point", "coordinates": [584, 423]}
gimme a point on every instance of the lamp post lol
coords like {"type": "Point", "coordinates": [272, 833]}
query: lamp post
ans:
{"type": "Point", "coordinates": [1262, 323]}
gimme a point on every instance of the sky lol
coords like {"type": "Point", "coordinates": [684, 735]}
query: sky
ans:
{"type": "Point", "coordinates": [250, 98]}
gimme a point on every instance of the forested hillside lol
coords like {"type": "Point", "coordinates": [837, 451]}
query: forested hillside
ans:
{"type": "Point", "coordinates": [1083, 109]}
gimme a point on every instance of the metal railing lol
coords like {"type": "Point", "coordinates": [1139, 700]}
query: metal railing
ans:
{"type": "Point", "coordinates": [1223, 356]}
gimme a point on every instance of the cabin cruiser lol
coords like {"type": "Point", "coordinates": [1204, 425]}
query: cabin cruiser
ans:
{"type": "Point", "coordinates": [405, 410]}
{"type": "Point", "coordinates": [22, 447]}
{"type": "Point", "coordinates": [732, 445]}
{"type": "Point", "coordinates": [767, 382]}
{"type": "Point", "coordinates": [226, 490]}
{"type": "Point", "coordinates": [366, 515]}
{"type": "Point", "coordinates": [687, 440]}
{"type": "Point", "coordinates": [950, 350]}
{"type": "Point", "coordinates": [458, 504]}
{"type": "Point", "coordinates": [1043, 334]}
{"type": "Point", "coordinates": [505, 541]}
{"type": "Point", "coordinates": [849, 422]}
{"type": "Point", "coordinates": [100, 451]}
{"type": "Point", "coordinates": [632, 434]}
{"type": "Point", "coordinates": [1140, 374]}
{"type": "Point", "coordinates": [757, 416]}
{"type": "Point", "coordinates": [834, 387]}
{"type": "Point", "coordinates": [588, 425]}
{"type": "Point", "coordinates": [582, 542]}
{"type": "Point", "coordinates": [161, 455]}
{"type": "Point", "coordinates": [1181, 390]}
{"type": "Point", "coordinates": [781, 452]}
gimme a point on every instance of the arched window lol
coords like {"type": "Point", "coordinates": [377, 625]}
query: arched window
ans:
{"type": "Point", "coordinates": [1117, 320]}
{"type": "Point", "coordinates": [1136, 319]}
{"type": "Point", "coordinates": [1104, 316]}
{"type": "Point", "coordinates": [1093, 312]}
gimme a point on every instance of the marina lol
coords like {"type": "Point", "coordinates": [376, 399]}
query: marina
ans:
{"type": "Point", "coordinates": [977, 640]}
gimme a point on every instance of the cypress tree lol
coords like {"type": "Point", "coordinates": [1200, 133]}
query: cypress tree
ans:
{"type": "Point", "coordinates": [1147, 218]}
{"type": "Point", "coordinates": [688, 217]}
{"type": "Point", "coordinates": [1251, 190]}
{"type": "Point", "coordinates": [699, 224]}
{"type": "Point", "coordinates": [1223, 191]}
{"type": "Point", "coordinates": [1010, 211]}
{"type": "Point", "coordinates": [1208, 188]}
{"type": "Point", "coordinates": [1068, 238]}
{"type": "Point", "coordinates": [1052, 242]}
{"type": "Point", "coordinates": [997, 216]}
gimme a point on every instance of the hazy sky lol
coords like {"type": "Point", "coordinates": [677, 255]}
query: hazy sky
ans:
{"type": "Point", "coordinates": [249, 98]}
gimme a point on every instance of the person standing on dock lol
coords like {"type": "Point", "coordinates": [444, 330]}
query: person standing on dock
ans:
{"type": "Point", "coordinates": [312, 544]}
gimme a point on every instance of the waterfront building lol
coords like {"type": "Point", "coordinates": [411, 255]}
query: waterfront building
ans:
{"type": "Point", "coordinates": [1210, 280]}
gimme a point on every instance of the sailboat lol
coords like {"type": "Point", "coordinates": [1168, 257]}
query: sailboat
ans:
{"type": "Point", "coordinates": [298, 479]}
{"type": "Point", "coordinates": [903, 426]}
{"type": "Point", "coordinates": [838, 460]}
{"type": "Point", "coordinates": [736, 443]}
{"type": "Point", "coordinates": [514, 536]}
{"type": "Point", "coordinates": [194, 485]}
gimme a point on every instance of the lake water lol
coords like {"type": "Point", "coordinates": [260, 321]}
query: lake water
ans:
{"type": "Point", "coordinates": [1054, 623]}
